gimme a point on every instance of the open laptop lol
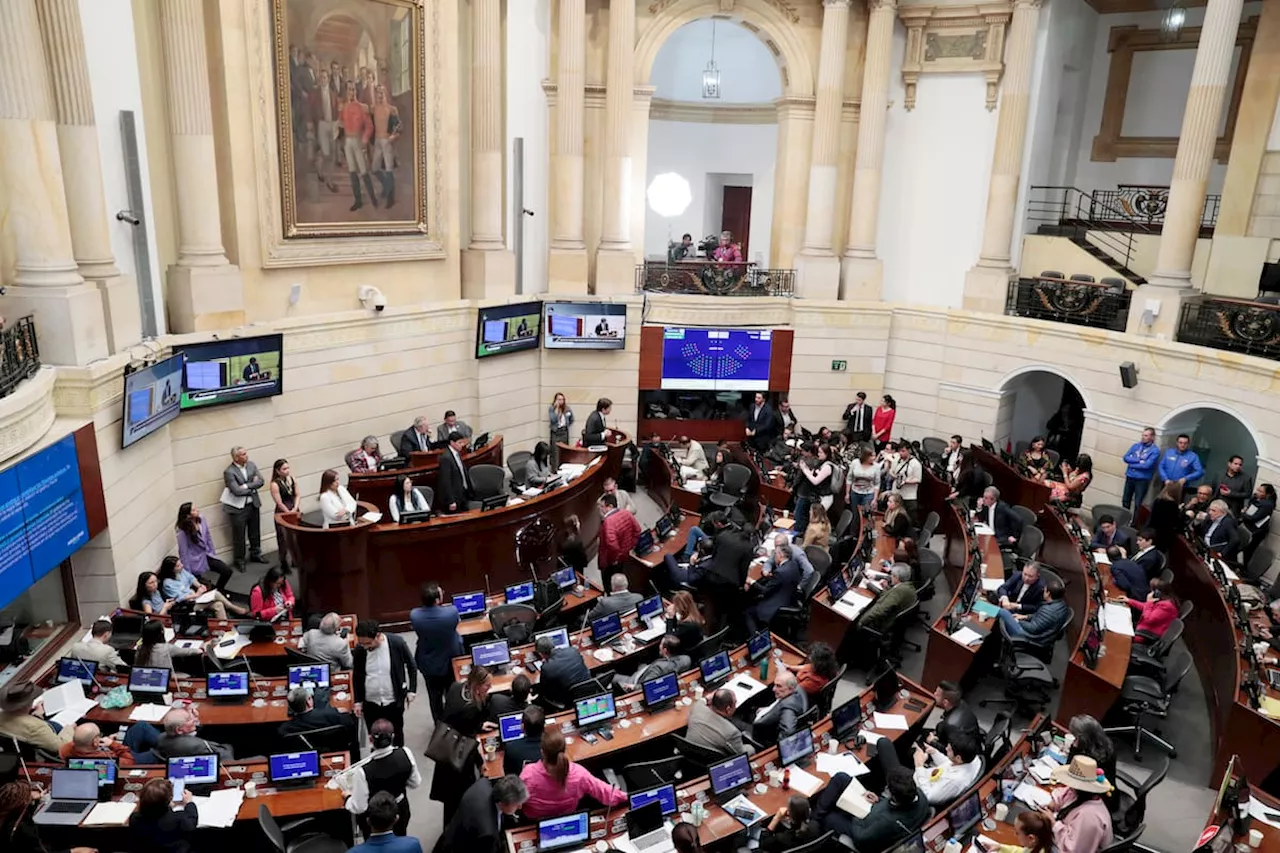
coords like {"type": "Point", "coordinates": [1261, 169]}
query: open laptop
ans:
{"type": "Point", "coordinates": [559, 637]}
{"type": "Point", "coordinates": [561, 833]}
{"type": "Point", "coordinates": [645, 544]}
{"type": "Point", "coordinates": [646, 829]}
{"type": "Point", "coordinates": [511, 727]}
{"type": "Point", "coordinates": [729, 778]}
{"type": "Point", "coordinates": [469, 604]}
{"type": "Point", "coordinates": [594, 713]}
{"type": "Point", "coordinates": [661, 692]}
{"type": "Point", "coordinates": [663, 527]}
{"type": "Point", "coordinates": [309, 675]}
{"type": "Point", "coordinates": [73, 795]}
{"type": "Point", "coordinates": [148, 683]}
{"type": "Point", "coordinates": [294, 769]}
{"type": "Point", "coordinates": [607, 628]}
{"type": "Point", "coordinates": [649, 612]}
{"type": "Point", "coordinates": [520, 593]}
{"type": "Point", "coordinates": [885, 688]}
{"type": "Point", "coordinates": [228, 687]}
{"type": "Point", "coordinates": [74, 669]}
{"type": "Point", "coordinates": [846, 720]}
{"type": "Point", "coordinates": [565, 578]}
{"type": "Point", "coordinates": [796, 748]}
{"type": "Point", "coordinates": [758, 646]}
{"type": "Point", "coordinates": [715, 670]}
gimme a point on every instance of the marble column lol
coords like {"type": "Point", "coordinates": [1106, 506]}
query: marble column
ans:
{"type": "Point", "coordinates": [488, 267]}
{"type": "Point", "coordinates": [1171, 281]}
{"type": "Point", "coordinates": [63, 36]}
{"type": "Point", "coordinates": [861, 272]}
{"type": "Point", "coordinates": [205, 290]}
{"type": "Point", "coordinates": [46, 279]}
{"type": "Point", "coordinates": [615, 259]}
{"type": "Point", "coordinates": [817, 268]}
{"type": "Point", "coordinates": [567, 266]}
{"type": "Point", "coordinates": [986, 284]}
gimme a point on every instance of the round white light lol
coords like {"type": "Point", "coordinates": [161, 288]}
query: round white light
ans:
{"type": "Point", "coordinates": [669, 195]}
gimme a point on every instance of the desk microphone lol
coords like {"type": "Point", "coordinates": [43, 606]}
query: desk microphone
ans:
{"type": "Point", "coordinates": [235, 783]}
{"type": "Point", "coordinates": [92, 673]}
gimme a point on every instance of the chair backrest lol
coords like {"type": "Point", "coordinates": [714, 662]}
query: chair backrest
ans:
{"type": "Point", "coordinates": [902, 622]}
{"type": "Point", "coordinates": [1026, 514]}
{"type": "Point", "coordinates": [1054, 457]}
{"type": "Point", "coordinates": [1113, 282]}
{"type": "Point", "coordinates": [327, 739]}
{"type": "Point", "coordinates": [271, 829]}
{"type": "Point", "coordinates": [349, 457]}
{"type": "Point", "coordinates": [815, 845]}
{"type": "Point", "coordinates": [827, 695]}
{"type": "Point", "coordinates": [819, 557]}
{"type": "Point", "coordinates": [810, 584]}
{"type": "Point", "coordinates": [548, 617]}
{"type": "Point", "coordinates": [1029, 542]}
{"type": "Point", "coordinates": [933, 446]}
{"type": "Point", "coordinates": [843, 525]}
{"type": "Point", "coordinates": [700, 756]}
{"type": "Point", "coordinates": [1167, 576]}
{"type": "Point", "coordinates": [710, 645]}
{"type": "Point", "coordinates": [1137, 810]}
{"type": "Point", "coordinates": [808, 718]}
{"type": "Point", "coordinates": [516, 463]}
{"type": "Point", "coordinates": [930, 564]}
{"type": "Point", "coordinates": [395, 440]}
{"type": "Point", "coordinates": [650, 774]}
{"type": "Point", "coordinates": [486, 480]}
{"type": "Point", "coordinates": [996, 743]}
{"type": "Point", "coordinates": [1185, 608]}
{"type": "Point", "coordinates": [1048, 575]}
{"type": "Point", "coordinates": [1127, 843]}
{"type": "Point", "coordinates": [1081, 276]}
{"type": "Point", "coordinates": [587, 687]}
{"type": "Point", "coordinates": [1122, 516]}
{"type": "Point", "coordinates": [1259, 563]}
{"type": "Point", "coordinates": [1160, 648]}
{"type": "Point", "coordinates": [1052, 274]}
{"type": "Point", "coordinates": [984, 480]}
{"type": "Point", "coordinates": [1179, 666]}
{"type": "Point", "coordinates": [513, 622]}
{"type": "Point", "coordinates": [735, 478]}
{"type": "Point", "coordinates": [429, 493]}
{"type": "Point", "coordinates": [931, 522]}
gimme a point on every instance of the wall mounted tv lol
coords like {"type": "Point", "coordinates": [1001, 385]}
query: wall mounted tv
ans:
{"type": "Point", "coordinates": [502, 329]}
{"type": "Point", "coordinates": [231, 371]}
{"type": "Point", "coordinates": [716, 359]}
{"type": "Point", "coordinates": [152, 398]}
{"type": "Point", "coordinates": [584, 325]}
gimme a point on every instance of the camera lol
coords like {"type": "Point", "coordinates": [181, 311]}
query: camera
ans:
{"type": "Point", "coordinates": [371, 297]}
{"type": "Point", "coordinates": [379, 302]}
{"type": "Point", "coordinates": [128, 218]}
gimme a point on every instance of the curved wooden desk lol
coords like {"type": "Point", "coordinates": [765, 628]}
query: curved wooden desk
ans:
{"type": "Point", "coordinates": [378, 486]}
{"type": "Point", "coordinates": [617, 446]}
{"type": "Point", "coordinates": [1014, 488]}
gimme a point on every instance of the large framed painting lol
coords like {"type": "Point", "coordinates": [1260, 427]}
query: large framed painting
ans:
{"type": "Point", "coordinates": [350, 104]}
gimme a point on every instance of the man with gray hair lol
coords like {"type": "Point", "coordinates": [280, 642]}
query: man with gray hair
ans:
{"type": "Point", "coordinates": [417, 438]}
{"type": "Point", "coordinates": [477, 824]}
{"type": "Point", "coordinates": [897, 599]}
{"type": "Point", "coordinates": [1000, 517]}
{"type": "Point", "coordinates": [243, 506]}
{"type": "Point", "coordinates": [310, 710]}
{"type": "Point", "coordinates": [619, 599]}
{"type": "Point", "coordinates": [782, 717]}
{"type": "Point", "coordinates": [326, 644]}
{"type": "Point", "coordinates": [180, 738]}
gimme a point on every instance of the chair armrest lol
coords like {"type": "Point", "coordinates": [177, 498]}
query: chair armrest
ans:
{"type": "Point", "coordinates": [1146, 635]}
{"type": "Point", "coordinates": [289, 827]}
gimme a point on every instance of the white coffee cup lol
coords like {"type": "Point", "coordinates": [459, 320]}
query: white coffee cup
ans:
{"type": "Point", "coordinates": [1002, 811]}
{"type": "Point", "coordinates": [251, 790]}
{"type": "Point", "coordinates": [1255, 838]}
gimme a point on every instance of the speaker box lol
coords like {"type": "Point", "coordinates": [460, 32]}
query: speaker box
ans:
{"type": "Point", "coordinates": [1128, 374]}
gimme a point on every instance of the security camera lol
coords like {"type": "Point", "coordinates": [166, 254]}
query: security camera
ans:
{"type": "Point", "coordinates": [379, 302]}
{"type": "Point", "coordinates": [371, 297]}
{"type": "Point", "coordinates": [127, 217]}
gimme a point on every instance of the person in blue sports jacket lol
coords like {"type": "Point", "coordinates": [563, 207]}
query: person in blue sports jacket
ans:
{"type": "Point", "coordinates": [1141, 459]}
{"type": "Point", "coordinates": [1181, 464]}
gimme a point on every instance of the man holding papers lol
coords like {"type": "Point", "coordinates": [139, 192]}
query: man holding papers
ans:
{"type": "Point", "coordinates": [22, 718]}
{"type": "Point", "coordinates": [874, 822]}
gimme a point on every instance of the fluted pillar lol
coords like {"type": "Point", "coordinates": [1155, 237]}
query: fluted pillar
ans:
{"type": "Point", "coordinates": [861, 272]}
{"type": "Point", "coordinates": [615, 259]}
{"type": "Point", "coordinates": [567, 268]}
{"type": "Point", "coordinates": [63, 37]}
{"type": "Point", "coordinates": [46, 280]}
{"type": "Point", "coordinates": [987, 283]}
{"type": "Point", "coordinates": [817, 268]}
{"type": "Point", "coordinates": [488, 268]}
{"type": "Point", "coordinates": [205, 290]}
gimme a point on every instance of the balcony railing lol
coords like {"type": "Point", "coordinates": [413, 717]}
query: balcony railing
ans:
{"type": "Point", "coordinates": [1079, 303]}
{"type": "Point", "coordinates": [19, 354]}
{"type": "Point", "coordinates": [1252, 328]}
{"type": "Point", "coordinates": [707, 278]}
{"type": "Point", "coordinates": [1147, 204]}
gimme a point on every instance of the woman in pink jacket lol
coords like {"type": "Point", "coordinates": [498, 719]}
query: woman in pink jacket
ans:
{"type": "Point", "coordinates": [1154, 614]}
{"type": "Point", "coordinates": [556, 784]}
{"type": "Point", "coordinates": [271, 596]}
{"type": "Point", "coordinates": [1081, 820]}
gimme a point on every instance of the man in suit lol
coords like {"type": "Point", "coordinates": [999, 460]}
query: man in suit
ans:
{"type": "Point", "coordinates": [1108, 534]}
{"type": "Point", "coordinates": [895, 814]}
{"type": "Point", "coordinates": [561, 669]}
{"type": "Point", "coordinates": [1000, 517]}
{"type": "Point", "coordinates": [857, 420]}
{"type": "Point", "coordinates": [451, 425]}
{"type": "Point", "coordinates": [957, 716]}
{"type": "Point", "coordinates": [384, 680]}
{"type": "Point", "coordinates": [619, 600]}
{"type": "Point", "coordinates": [594, 431]}
{"type": "Point", "coordinates": [306, 715]}
{"type": "Point", "coordinates": [240, 498]}
{"type": "Point", "coordinates": [669, 661]}
{"type": "Point", "coordinates": [180, 738]}
{"type": "Point", "coordinates": [777, 589]}
{"type": "Point", "coordinates": [528, 747]}
{"type": "Point", "coordinates": [453, 485]}
{"type": "Point", "coordinates": [1134, 575]}
{"type": "Point", "coordinates": [782, 717]}
{"type": "Point", "coordinates": [1235, 486]}
{"type": "Point", "coordinates": [1023, 592]}
{"type": "Point", "coordinates": [98, 647]}
{"type": "Point", "coordinates": [513, 701]}
{"type": "Point", "coordinates": [1040, 628]}
{"type": "Point", "coordinates": [382, 815]}
{"type": "Point", "coordinates": [436, 625]}
{"type": "Point", "coordinates": [477, 824]}
{"type": "Point", "coordinates": [1219, 530]}
{"type": "Point", "coordinates": [762, 424]}
{"type": "Point", "coordinates": [416, 438]}
{"type": "Point", "coordinates": [712, 725]}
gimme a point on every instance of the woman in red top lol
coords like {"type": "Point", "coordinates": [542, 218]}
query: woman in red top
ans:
{"type": "Point", "coordinates": [271, 596]}
{"type": "Point", "coordinates": [882, 421]}
{"type": "Point", "coordinates": [817, 672]}
{"type": "Point", "coordinates": [1155, 613]}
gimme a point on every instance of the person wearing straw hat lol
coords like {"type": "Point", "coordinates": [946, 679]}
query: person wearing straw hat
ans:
{"type": "Point", "coordinates": [1082, 822]}
{"type": "Point", "coordinates": [22, 718]}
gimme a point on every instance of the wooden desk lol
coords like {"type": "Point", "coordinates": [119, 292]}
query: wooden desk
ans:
{"type": "Point", "coordinates": [1014, 488]}
{"type": "Point", "coordinates": [480, 626]}
{"type": "Point", "coordinates": [378, 486]}
{"type": "Point", "coordinates": [288, 630]}
{"type": "Point", "coordinates": [1270, 835]}
{"type": "Point", "coordinates": [826, 623]}
{"type": "Point", "coordinates": [640, 570]}
{"type": "Point", "coordinates": [616, 449]}
{"type": "Point", "coordinates": [764, 487]}
{"type": "Point", "coordinates": [661, 484]}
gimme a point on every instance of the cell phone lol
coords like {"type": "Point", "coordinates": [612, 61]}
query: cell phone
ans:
{"type": "Point", "coordinates": [606, 734]}
{"type": "Point", "coordinates": [744, 814]}
{"type": "Point", "coordinates": [590, 738]}
{"type": "Point", "coordinates": [179, 788]}
{"type": "Point", "coordinates": [344, 633]}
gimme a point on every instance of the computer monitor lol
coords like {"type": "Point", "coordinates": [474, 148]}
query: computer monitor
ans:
{"type": "Point", "coordinates": [650, 607]}
{"type": "Point", "coordinates": [964, 814]}
{"type": "Point", "coordinates": [228, 685]}
{"type": "Point", "coordinates": [644, 544]}
{"type": "Point", "coordinates": [795, 747]}
{"type": "Point", "coordinates": [715, 668]}
{"type": "Point", "coordinates": [661, 691]}
{"type": "Point", "coordinates": [594, 710]}
{"type": "Point", "coordinates": [74, 669]}
{"type": "Point", "coordinates": [511, 727]}
{"type": "Point", "coordinates": [913, 843]}
{"type": "Point", "coordinates": [606, 627]}
{"type": "Point", "coordinates": [846, 719]}
{"type": "Point", "coordinates": [729, 775]}
{"type": "Point", "coordinates": [559, 637]}
{"type": "Point", "coordinates": [469, 604]}
{"type": "Point", "coordinates": [68, 784]}
{"type": "Point", "coordinates": [759, 645]}
{"type": "Point", "coordinates": [310, 675]}
{"type": "Point", "coordinates": [886, 688]}
{"type": "Point", "coordinates": [105, 767]}
{"type": "Point", "coordinates": [194, 769]}
{"type": "Point", "coordinates": [663, 527]}
{"type": "Point", "coordinates": [519, 593]}
{"type": "Point", "coordinates": [558, 833]}
{"type": "Point", "coordinates": [837, 587]}
{"type": "Point", "coordinates": [565, 578]}
{"type": "Point", "coordinates": [148, 680]}
{"type": "Point", "coordinates": [294, 766]}
{"type": "Point", "coordinates": [665, 796]}
{"type": "Point", "coordinates": [497, 653]}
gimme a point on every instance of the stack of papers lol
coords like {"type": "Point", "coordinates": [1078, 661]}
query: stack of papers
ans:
{"type": "Point", "coordinates": [983, 530]}
{"type": "Point", "coordinates": [220, 808]}
{"type": "Point", "coordinates": [1100, 557]}
{"type": "Point", "coordinates": [1036, 798]}
{"type": "Point", "coordinates": [966, 636]}
{"type": "Point", "coordinates": [991, 584]}
{"type": "Point", "coordinates": [698, 486]}
{"type": "Point", "coordinates": [148, 712]}
{"type": "Point", "coordinates": [845, 762]}
{"type": "Point", "coordinates": [854, 801]}
{"type": "Point", "coordinates": [804, 782]}
{"type": "Point", "coordinates": [890, 722]}
{"type": "Point", "coordinates": [851, 605]}
{"type": "Point", "coordinates": [1117, 618]}
{"type": "Point", "coordinates": [109, 814]}
{"type": "Point", "coordinates": [66, 703]}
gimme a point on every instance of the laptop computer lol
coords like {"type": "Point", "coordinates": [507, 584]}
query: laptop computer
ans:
{"type": "Point", "coordinates": [565, 578]}
{"type": "Point", "coordinates": [74, 793]}
{"type": "Point", "coordinates": [294, 769]}
{"type": "Point", "coordinates": [606, 627]}
{"type": "Point", "coordinates": [309, 675]}
{"type": "Point", "coordinates": [495, 655]}
{"type": "Point", "coordinates": [149, 684]}
{"type": "Point", "coordinates": [729, 778]}
{"type": "Point", "coordinates": [886, 689]}
{"type": "Point", "coordinates": [715, 670]}
{"type": "Point", "coordinates": [796, 748]}
{"type": "Point", "coordinates": [74, 669]}
{"type": "Point", "coordinates": [469, 604]}
{"type": "Point", "coordinates": [228, 687]}
{"type": "Point", "coordinates": [649, 612]}
{"type": "Point", "coordinates": [663, 527]}
{"type": "Point", "coordinates": [847, 719]}
{"type": "Point", "coordinates": [559, 833]}
{"type": "Point", "coordinates": [559, 637]}
{"type": "Point", "coordinates": [594, 712]}
{"type": "Point", "coordinates": [964, 814]}
{"type": "Point", "coordinates": [645, 544]}
{"type": "Point", "coordinates": [520, 593]}
{"type": "Point", "coordinates": [758, 646]}
{"type": "Point", "coordinates": [511, 727]}
{"type": "Point", "coordinates": [646, 829]}
{"type": "Point", "coordinates": [663, 795]}
{"type": "Point", "coordinates": [661, 692]}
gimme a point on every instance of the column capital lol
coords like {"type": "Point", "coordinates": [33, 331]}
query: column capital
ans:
{"type": "Point", "coordinates": [878, 5]}
{"type": "Point", "coordinates": [1027, 5]}
{"type": "Point", "coordinates": [836, 4]}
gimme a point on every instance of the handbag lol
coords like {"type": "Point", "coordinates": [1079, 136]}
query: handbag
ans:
{"type": "Point", "coordinates": [452, 749]}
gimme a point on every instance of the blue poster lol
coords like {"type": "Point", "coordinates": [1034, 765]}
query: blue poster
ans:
{"type": "Point", "coordinates": [52, 505]}
{"type": "Point", "coordinates": [15, 562]}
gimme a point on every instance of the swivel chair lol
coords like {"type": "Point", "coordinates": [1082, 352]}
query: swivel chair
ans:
{"type": "Point", "coordinates": [1142, 696]}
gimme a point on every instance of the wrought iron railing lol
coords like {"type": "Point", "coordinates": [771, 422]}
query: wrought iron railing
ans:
{"type": "Point", "coordinates": [713, 279]}
{"type": "Point", "coordinates": [1076, 302]}
{"type": "Point", "coordinates": [1078, 212]}
{"type": "Point", "coordinates": [19, 354]}
{"type": "Point", "coordinates": [1145, 204]}
{"type": "Point", "coordinates": [1252, 328]}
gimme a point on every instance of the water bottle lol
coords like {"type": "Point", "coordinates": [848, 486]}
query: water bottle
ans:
{"type": "Point", "coordinates": [764, 669]}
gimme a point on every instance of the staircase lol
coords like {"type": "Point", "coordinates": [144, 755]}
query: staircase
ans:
{"type": "Point", "coordinates": [1074, 214]}
{"type": "Point", "coordinates": [1076, 234]}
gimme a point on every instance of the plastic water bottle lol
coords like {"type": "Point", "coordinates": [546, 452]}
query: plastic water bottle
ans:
{"type": "Point", "coordinates": [764, 669]}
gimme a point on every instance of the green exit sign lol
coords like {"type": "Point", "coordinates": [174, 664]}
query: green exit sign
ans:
{"type": "Point", "coordinates": [839, 365]}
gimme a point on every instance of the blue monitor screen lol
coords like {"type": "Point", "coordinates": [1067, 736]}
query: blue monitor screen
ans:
{"type": "Point", "coordinates": [732, 773]}
{"type": "Point", "coordinates": [151, 398]}
{"type": "Point", "coordinates": [491, 654]}
{"type": "Point", "coordinates": [661, 689]}
{"type": "Point", "coordinates": [759, 645]}
{"type": "Point", "coordinates": [666, 796]}
{"type": "Point", "coordinates": [562, 831]}
{"type": "Point", "coordinates": [606, 627]}
{"type": "Point", "coordinates": [194, 769]}
{"type": "Point", "coordinates": [294, 765]}
{"type": "Point", "coordinates": [847, 716]}
{"type": "Point", "coordinates": [559, 637]}
{"type": "Point", "coordinates": [146, 679]}
{"type": "Point", "coordinates": [105, 766]}
{"type": "Point", "coordinates": [795, 747]}
{"type": "Point", "coordinates": [837, 587]}
{"type": "Point", "coordinates": [228, 684]}
{"type": "Point", "coordinates": [595, 709]}
{"type": "Point", "coordinates": [716, 359]}
{"type": "Point", "coordinates": [965, 814]}
{"type": "Point", "coordinates": [520, 593]}
{"type": "Point", "coordinates": [469, 603]}
{"type": "Point", "coordinates": [71, 669]}
{"type": "Point", "coordinates": [644, 544]}
{"type": "Point", "coordinates": [715, 667]}
{"type": "Point", "coordinates": [312, 675]}
{"type": "Point", "coordinates": [651, 606]}
{"type": "Point", "coordinates": [511, 726]}
{"type": "Point", "coordinates": [565, 578]}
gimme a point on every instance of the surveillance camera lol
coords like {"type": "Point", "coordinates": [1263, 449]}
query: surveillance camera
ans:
{"type": "Point", "coordinates": [379, 302]}
{"type": "Point", "coordinates": [128, 218]}
{"type": "Point", "coordinates": [371, 297]}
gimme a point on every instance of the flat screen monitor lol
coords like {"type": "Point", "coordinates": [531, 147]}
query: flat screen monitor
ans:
{"type": "Point", "coordinates": [795, 747]}
{"type": "Point", "coordinates": [644, 543]}
{"type": "Point", "coordinates": [147, 679]}
{"type": "Point", "coordinates": [716, 359]}
{"type": "Point", "coordinates": [663, 526]}
{"type": "Point", "coordinates": [584, 325]}
{"type": "Point", "coordinates": [715, 667]}
{"type": "Point", "coordinates": [520, 593]}
{"type": "Point", "coordinates": [309, 675]}
{"type": "Point", "coordinates": [913, 843]}
{"type": "Point", "coordinates": [194, 769]}
{"type": "Point", "coordinates": [729, 774]}
{"type": "Point", "coordinates": [847, 718]}
{"type": "Point", "coordinates": [511, 726]}
{"type": "Point", "coordinates": [559, 637]}
{"type": "Point", "coordinates": [74, 669]}
{"type": "Point", "coordinates": [964, 814]}
{"type": "Point", "coordinates": [496, 653]}
{"type": "Point", "coordinates": [650, 607]}
{"type": "Point", "coordinates": [225, 685]}
{"type": "Point", "coordinates": [886, 688]}
{"type": "Point", "coordinates": [68, 784]}
{"type": "Point", "coordinates": [105, 767]}
{"type": "Point", "coordinates": [231, 371]}
{"type": "Point", "coordinates": [661, 690]}
{"type": "Point", "coordinates": [664, 796]}
{"type": "Point", "coordinates": [606, 627]}
{"type": "Point", "coordinates": [565, 578]}
{"type": "Point", "coordinates": [558, 833]}
{"type": "Point", "coordinates": [594, 709]}
{"type": "Point", "coordinates": [152, 398]}
{"type": "Point", "coordinates": [469, 603]}
{"type": "Point", "coordinates": [759, 645]}
{"type": "Point", "coordinates": [294, 766]}
{"type": "Point", "coordinates": [837, 587]}
{"type": "Point", "coordinates": [507, 328]}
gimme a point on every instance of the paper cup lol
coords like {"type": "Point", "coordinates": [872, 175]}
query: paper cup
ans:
{"type": "Point", "coordinates": [1002, 811]}
{"type": "Point", "coordinates": [1255, 838]}
{"type": "Point", "coordinates": [251, 790]}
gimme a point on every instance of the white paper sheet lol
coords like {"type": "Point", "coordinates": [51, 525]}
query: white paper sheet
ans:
{"type": "Point", "coordinates": [966, 636]}
{"type": "Point", "coordinates": [890, 722]}
{"type": "Point", "coordinates": [1259, 811]}
{"type": "Point", "coordinates": [741, 802]}
{"type": "Point", "coordinates": [1118, 618]}
{"type": "Point", "coordinates": [66, 703]}
{"type": "Point", "coordinates": [220, 808]}
{"type": "Point", "coordinates": [109, 814]}
{"type": "Point", "coordinates": [744, 687]}
{"type": "Point", "coordinates": [991, 584]}
{"type": "Point", "coordinates": [1101, 558]}
{"type": "Point", "coordinates": [1031, 795]}
{"type": "Point", "coordinates": [845, 762]}
{"type": "Point", "coordinates": [983, 530]}
{"type": "Point", "coordinates": [148, 712]}
{"type": "Point", "coordinates": [805, 782]}
{"type": "Point", "coordinates": [851, 605]}
{"type": "Point", "coordinates": [853, 801]}
{"type": "Point", "coordinates": [189, 644]}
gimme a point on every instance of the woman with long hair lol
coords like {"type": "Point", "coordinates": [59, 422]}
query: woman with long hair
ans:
{"type": "Point", "coordinates": [1036, 459]}
{"type": "Point", "coordinates": [556, 784]}
{"type": "Point", "coordinates": [560, 417]}
{"type": "Point", "coordinates": [155, 651]}
{"type": "Point", "coordinates": [814, 483]}
{"type": "Point", "coordinates": [407, 498]}
{"type": "Point", "coordinates": [156, 826]}
{"type": "Point", "coordinates": [178, 586]}
{"type": "Point", "coordinates": [1091, 739]}
{"type": "Point", "coordinates": [863, 480]}
{"type": "Point", "coordinates": [896, 521]}
{"type": "Point", "coordinates": [466, 702]}
{"type": "Point", "coordinates": [790, 826]}
{"type": "Point", "coordinates": [1166, 515]}
{"type": "Point", "coordinates": [271, 596]}
{"type": "Point", "coordinates": [816, 672]}
{"type": "Point", "coordinates": [685, 621]}
{"type": "Point", "coordinates": [195, 548]}
{"type": "Point", "coordinates": [882, 421]}
{"type": "Point", "coordinates": [18, 832]}
{"type": "Point", "coordinates": [685, 838]}
{"type": "Point", "coordinates": [1034, 831]}
{"type": "Point", "coordinates": [1075, 479]}
{"type": "Point", "coordinates": [538, 470]}
{"type": "Point", "coordinates": [147, 597]}
{"type": "Point", "coordinates": [336, 502]}
{"type": "Point", "coordinates": [908, 554]}
{"type": "Point", "coordinates": [1155, 613]}
{"type": "Point", "coordinates": [819, 530]}
{"type": "Point", "coordinates": [284, 492]}
{"type": "Point", "coordinates": [572, 549]}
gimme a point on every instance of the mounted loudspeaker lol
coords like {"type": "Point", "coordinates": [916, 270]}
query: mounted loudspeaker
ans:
{"type": "Point", "coordinates": [1128, 374]}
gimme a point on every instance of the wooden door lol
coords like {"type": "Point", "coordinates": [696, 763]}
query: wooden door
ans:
{"type": "Point", "coordinates": [736, 216]}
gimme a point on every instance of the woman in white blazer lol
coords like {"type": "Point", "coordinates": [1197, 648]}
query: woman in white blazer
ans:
{"type": "Point", "coordinates": [407, 498]}
{"type": "Point", "coordinates": [335, 501]}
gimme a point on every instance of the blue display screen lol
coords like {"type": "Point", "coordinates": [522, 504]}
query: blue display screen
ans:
{"type": "Point", "coordinates": [730, 774]}
{"type": "Point", "coordinates": [758, 646]}
{"type": "Point", "coordinates": [520, 593]}
{"type": "Point", "coordinates": [606, 627]}
{"type": "Point", "coordinates": [294, 765]}
{"type": "Point", "coordinates": [666, 795]}
{"type": "Point", "coordinates": [661, 689]}
{"type": "Point", "coordinates": [565, 578]}
{"type": "Point", "coordinates": [146, 679]}
{"type": "Point", "coordinates": [312, 675]}
{"type": "Point", "coordinates": [71, 669]}
{"type": "Point", "coordinates": [715, 667]}
{"type": "Point", "coordinates": [194, 769]}
{"type": "Point", "coordinates": [491, 654]}
{"type": "Point", "coordinates": [559, 637]}
{"type": "Point", "coordinates": [511, 726]}
{"type": "Point", "coordinates": [837, 587]}
{"type": "Point", "coordinates": [716, 359]}
{"type": "Point", "coordinates": [595, 709]}
{"type": "Point", "coordinates": [795, 747]}
{"type": "Point", "coordinates": [651, 606]}
{"type": "Point", "coordinates": [562, 831]}
{"type": "Point", "coordinates": [228, 684]}
{"type": "Point", "coordinates": [469, 603]}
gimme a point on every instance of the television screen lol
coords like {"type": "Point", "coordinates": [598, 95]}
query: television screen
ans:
{"type": "Point", "coordinates": [507, 328]}
{"type": "Point", "coordinates": [585, 325]}
{"type": "Point", "coordinates": [151, 398]}
{"type": "Point", "coordinates": [716, 359]}
{"type": "Point", "coordinates": [232, 371]}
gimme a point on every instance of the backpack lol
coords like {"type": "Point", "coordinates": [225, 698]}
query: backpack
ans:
{"type": "Point", "coordinates": [837, 479]}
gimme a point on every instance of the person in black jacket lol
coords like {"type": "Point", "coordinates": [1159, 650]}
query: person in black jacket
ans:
{"type": "Point", "coordinates": [1256, 517]}
{"type": "Point", "coordinates": [466, 709]}
{"type": "Point", "coordinates": [453, 486]}
{"type": "Point", "coordinates": [595, 430]}
{"type": "Point", "coordinates": [894, 815]}
{"type": "Point", "coordinates": [1023, 592]}
{"type": "Point", "coordinates": [527, 748]}
{"type": "Point", "coordinates": [310, 710]}
{"type": "Point", "coordinates": [156, 827]}
{"type": "Point", "coordinates": [1000, 517]}
{"type": "Point", "coordinates": [513, 702]}
{"type": "Point", "coordinates": [561, 669]}
{"type": "Point", "coordinates": [762, 424]}
{"type": "Point", "coordinates": [790, 827]}
{"type": "Point", "coordinates": [1218, 530]}
{"type": "Point", "coordinates": [384, 680]}
{"type": "Point", "coordinates": [477, 824]}
{"type": "Point", "coordinates": [957, 716]}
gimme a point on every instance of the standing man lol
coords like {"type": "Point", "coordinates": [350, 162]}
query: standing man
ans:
{"type": "Point", "coordinates": [357, 129]}
{"type": "Point", "coordinates": [953, 458]}
{"type": "Point", "coordinates": [436, 625]}
{"type": "Point", "coordinates": [1181, 464]}
{"type": "Point", "coordinates": [619, 532]}
{"type": "Point", "coordinates": [1235, 486]}
{"type": "Point", "coordinates": [857, 419]}
{"type": "Point", "coordinates": [595, 432]}
{"type": "Point", "coordinates": [326, 112]}
{"type": "Point", "coordinates": [1141, 459]}
{"type": "Point", "coordinates": [610, 487]}
{"type": "Point", "coordinates": [416, 437]}
{"type": "Point", "coordinates": [453, 486]}
{"type": "Point", "coordinates": [384, 680]}
{"type": "Point", "coordinates": [788, 417]}
{"type": "Point", "coordinates": [243, 506]}
{"type": "Point", "coordinates": [386, 130]}
{"type": "Point", "coordinates": [450, 425]}
{"type": "Point", "coordinates": [907, 474]}
{"type": "Point", "coordinates": [762, 424]}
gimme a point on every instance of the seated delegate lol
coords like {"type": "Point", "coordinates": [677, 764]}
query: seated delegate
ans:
{"type": "Point", "coordinates": [180, 586]}
{"type": "Point", "coordinates": [561, 669]}
{"type": "Point", "coordinates": [895, 813]}
{"type": "Point", "coordinates": [366, 457]}
{"type": "Point", "coordinates": [669, 662]}
{"type": "Point", "coordinates": [958, 719]}
{"type": "Point", "coordinates": [557, 785]}
{"type": "Point", "coordinates": [943, 776]}
{"type": "Point", "coordinates": [782, 717]}
{"type": "Point", "coordinates": [1108, 534]}
{"type": "Point", "coordinates": [1023, 592]}
{"type": "Point", "coordinates": [325, 643]}
{"type": "Point", "coordinates": [1135, 573]}
{"type": "Point", "coordinates": [309, 709]}
{"type": "Point", "coordinates": [619, 600]}
{"type": "Point", "coordinates": [272, 598]}
{"type": "Point", "coordinates": [1042, 627]}
{"type": "Point", "coordinates": [712, 725]}
{"type": "Point", "coordinates": [1155, 613]}
{"type": "Point", "coordinates": [527, 748]}
{"type": "Point", "coordinates": [406, 498]}
{"type": "Point", "coordinates": [538, 470]}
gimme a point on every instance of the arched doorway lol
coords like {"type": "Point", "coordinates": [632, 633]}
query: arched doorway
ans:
{"type": "Point", "coordinates": [1216, 435]}
{"type": "Point", "coordinates": [1041, 402]}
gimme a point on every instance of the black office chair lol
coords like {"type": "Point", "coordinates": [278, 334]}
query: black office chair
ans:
{"type": "Point", "coordinates": [709, 645]}
{"type": "Point", "coordinates": [697, 758]}
{"type": "Point", "coordinates": [808, 718]}
{"type": "Point", "coordinates": [824, 698]}
{"type": "Point", "coordinates": [1167, 576]}
{"type": "Point", "coordinates": [395, 441]}
{"type": "Point", "coordinates": [1122, 516]}
{"type": "Point", "coordinates": [819, 558]}
{"type": "Point", "coordinates": [1025, 670]}
{"type": "Point", "coordinates": [1048, 575]}
{"type": "Point", "coordinates": [933, 447]}
{"type": "Point", "coordinates": [1129, 800]}
{"type": "Point", "coordinates": [1026, 549]}
{"type": "Point", "coordinates": [1116, 284]}
{"type": "Point", "coordinates": [651, 774]}
{"type": "Point", "coordinates": [925, 533]}
{"type": "Point", "coordinates": [996, 743]}
{"type": "Point", "coordinates": [1126, 843]}
{"type": "Point", "coordinates": [1026, 514]}
{"type": "Point", "coordinates": [513, 622]}
{"type": "Point", "coordinates": [487, 481]}
{"type": "Point", "coordinates": [1259, 562]}
{"type": "Point", "coordinates": [1142, 696]}
{"type": "Point", "coordinates": [549, 617]}
{"type": "Point", "coordinates": [843, 525]}
{"type": "Point", "coordinates": [792, 621]}
{"type": "Point", "coordinates": [312, 842]}
{"type": "Point", "coordinates": [930, 569]}
{"type": "Point", "coordinates": [327, 739]}
{"type": "Point", "coordinates": [887, 646]}
{"type": "Point", "coordinates": [516, 464]}
{"type": "Point", "coordinates": [733, 485]}
{"type": "Point", "coordinates": [1149, 659]}
{"type": "Point", "coordinates": [816, 845]}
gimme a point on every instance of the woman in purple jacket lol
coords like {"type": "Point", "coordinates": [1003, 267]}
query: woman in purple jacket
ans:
{"type": "Point", "coordinates": [195, 548]}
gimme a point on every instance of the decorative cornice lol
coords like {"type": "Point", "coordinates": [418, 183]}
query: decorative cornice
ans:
{"type": "Point", "coordinates": [27, 413]}
{"type": "Point", "coordinates": [770, 113]}
{"type": "Point", "coordinates": [955, 40]}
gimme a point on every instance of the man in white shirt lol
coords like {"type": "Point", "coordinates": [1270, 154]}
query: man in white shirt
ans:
{"type": "Point", "coordinates": [98, 647]}
{"type": "Point", "coordinates": [942, 777]}
{"type": "Point", "coordinates": [691, 458]}
{"type": "Point", "coordinates": [384, 679]}
{"type": "Point", "coordinates": [954, 458]}
{"type": "Point", "coordinates": [624, 499]}
{"type": "Point", "coordinates": [907, 475]}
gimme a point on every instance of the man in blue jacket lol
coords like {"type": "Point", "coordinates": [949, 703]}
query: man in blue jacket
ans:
{"type": "Point", "coordinates": [382, 814]}
{"type": "Point", "coordinates": [1141, 459]}
{"type": "Point", "coordinates": [436, 625]}
{"type": "Point", "coordinates": [779, 588]}
{"type": "Point", "coordinates": [1041, 627]}
{"type": "Point", "coordinates": [1181, 464]}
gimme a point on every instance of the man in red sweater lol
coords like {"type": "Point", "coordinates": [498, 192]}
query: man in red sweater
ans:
{"type": "Point", "coordinates": [619, 531]}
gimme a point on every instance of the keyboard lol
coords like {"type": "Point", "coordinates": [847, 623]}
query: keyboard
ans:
{"type": "Point", "coordinates": [657, 840]}
{"type": "Point", "coordinates": [65, 807]}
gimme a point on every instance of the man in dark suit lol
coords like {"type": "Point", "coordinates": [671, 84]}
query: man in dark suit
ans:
{"type": "Point", "coordinates": [476, 825]}
{"type": "Point", "coordinates": [561, 669]}
{"type": "Point", "coordinates": [1023, 592]}
{"type": "Point", "coordinates": [310, 710]}
{"type": "Point", "coordinates": [1040, 628]}
{"type": "Point", "coordinates": [1219, 530]}
{"type": "Point", "coordinates": [382, 814]}
{"type": "Point", "coordinates": [1133, 575]}
{"type": "Point", "coordinates": [450, 425]}
{"type": "Point", "coordinates": [436, 625]}
{"type": "Point", "coordinates": [528, 747]}
{"type": "Point", "coordinates": [384, 680]}
{"type": "Point", "coordinates": [1000, 517]}
{"type": "Point", "coordinates": [857, 420]}
{"type": "Point", "coordinates": [669, 661]}
{"type": "Point", "coordinates": [957, 716]}
{"type": "Point", "coordinates": [895, 814]}
{"type": "Point", "coordinates": [1108, 534]}
{"type": "Point", "coordinates": [594, 431]}
{"type": "Point", "coordinates": [416, 438]}
{"type": "Point", "coordinates": [781, 718]}
{"type": "Point", "coordinates": [453, 485]}
{"type": "Point", "coordinates": [513, 701]}
{"type": "Point", "coordinates": [243, 506]}
{"type": "Point", "coordinates": [762, 424]}
{"type": "Point", "coordinates": [776, 590]}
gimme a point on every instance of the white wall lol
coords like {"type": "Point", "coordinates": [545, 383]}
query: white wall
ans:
{"type": "Point", "coordinates": [748, 71]}
{"type": "Point", "coordinates": [694, 150]}
{"type": "Point", "coordinates": [528, 51]}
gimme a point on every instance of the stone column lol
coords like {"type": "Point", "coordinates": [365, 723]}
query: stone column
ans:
{"type": "Point", "coordinates": [33, 210]}
{"type": "Point", "coordinates": [1171, 281]}
{"type": "Point", "coordinates": [204, 289]}
{"type": "Point", "coordinates": [488, 267]}
{"type": "Point", "coordinates": [986, 284]}
{"type": "Point", "coordinates": [861, 272]}
{"type": "Point", "coordinates": [615, 259]}
{"type": "Point", "coordinates": [567, 266]}
{"type": "Point", "coordinates": [63, 37]}
{"type": "Point", "coordinates": [817, 268]}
